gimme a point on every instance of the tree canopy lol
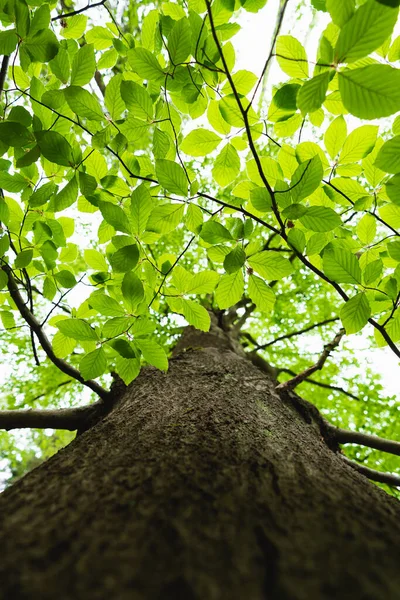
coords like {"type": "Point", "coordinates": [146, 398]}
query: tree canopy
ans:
{"type": "Point", "coordinates": [146, 181]}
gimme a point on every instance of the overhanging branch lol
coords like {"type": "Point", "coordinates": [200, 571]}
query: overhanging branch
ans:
{"type": "Point", "coordinates": [63, 418]}
{"type": "Point", "coordinates": [388, 478]}
{"type": "Point", "coordinates": [345, 436]}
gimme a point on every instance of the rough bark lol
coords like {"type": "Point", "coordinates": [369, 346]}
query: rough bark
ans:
{"type": "Point", "coordinates": [202, 484]}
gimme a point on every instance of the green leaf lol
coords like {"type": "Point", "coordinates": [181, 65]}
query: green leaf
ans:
{"type": "Point", "coordinates": [93, 364]}
{"type": "Point", "coordinates": [22, 18]}
{"type": "Point", "coordinates": [358, 144]}
{"type": "Point", "coordinates": [226, 166]}
{"type": "Point", "coordinates": [66, 197]}
{"type": "Point", "coordinates": [366, 229]}
{"type": "Point", "coordinates": [202, 283]}
{"type": "Point", "coordinates": [341, 266]}
{"type": "Point", "coordinates": [388, 158]}
{"type": "Point", "coordinates": [23, 259]}
{"type": "Point", "coordinates": [200, 142]}
{"type": "Point", "coordinates": [105, 305]}
{"type": "Point", "coordinates": [132, 290]}
{"type": "Point", "coordinates": [341, 11]}
{"type": "Point", "coordinates": [125, 258]}
{"type": "Point", "coordinates": [261, 294]}
{"type": "Point", "coordinates": [145, 64]}
{"type": "Point", "coordinates": [286, 96]}
{"type": "Point", "coordinates": [128, 369]}
{"type": "Point", "coordinates": [153, 353]}
{"type": "Point", "coordinates": [196, 315]}
{"type": "Point", "coordinates": [77, 329]}
{"type": "Point", "coordinates": [179, 41]}
{"type": "Point", "coordinates": [41, 19]}
{"type": "Point", "coordinates": [55, 148]}
{"type": "Point", "coordinates": [74, 27]}
{"type": "Point", "coordinates": [270, 265]}
{"type": "Point", "coordinates": [42, 47]}
{"type": "Point", "coordinates": [234, 260]}
{"type": "Point", "coordinates": [243, 81]}
{"type": "Point", "coordinates": [390, 213]}
{"type": "Point", "coordinates": [373, 271]}
{"type": "Point", "coordinates": [291, 56]}
{"type": "Point", "coordinates": [117, 326]}
{"type": "Point", "coordinates": [320, 218]}
{"type": "Point", "coordinates": [230, 289]}
{"type": "Point", "coordinates": [95, 260]}
{"type": "Point", "coordinates": [14, 134]}
{"type": "Point", "coordinates": [12, 183]}
{"type": "Point", "coordinates": [141, 207]}
{"type": "Point", "coordinates": [213, 232]}
{"type": "Point", "coordinates": [307, 178]}
{"type": "Point", "coordinates": [172, 177]}
{"type": "Point", "coordinates": [83, 103]}
{"type": "Point", "coordinates": [115, 216]}
{"type": "Point", "coordinates": [3, 279]}
{"type": "Point", "coordinates": [100, 37]}
{"type": "Point", "coordinates": [394, 250]}
{"type": "Point", "coordinates": [367, 29]}
{"type": "Point", "coordinates": [113, 99]}
{"type": "Point", "coordinates": [312, 93]}
{"type": "Point", "coordinates": [165, 218]}
{"type": "Point", "coordinates": [370, 92]}
{"type": "Point", "coordinates": [65, 279]}
{"type": "Point", "coordinates": [355, 313]}
{"type": "Point", "coordinates": [8, 42]}
{"type": "Point", "coordinates": [137, 100]}
{"type": "Point", "coordinates": [83, 66]}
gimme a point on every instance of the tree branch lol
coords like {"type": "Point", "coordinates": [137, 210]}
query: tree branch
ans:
{"type": "Point", "coordinates": [78, 11]}
{"type": "Point", "coordinates": [345, 436]}
{"type": "Point", "coordinates": [326, 386]}
{"type": "Point", "coordinates": [388, 478]}
{"type": "Point", "coordinates": [63, 418]}
{"type": "Point", "coordinates": [43, 339]}
{"type": "Point", "coordinates": [3, 72]}
{"type": "Point", "coordinates": [295, 333]}
{"type": "Point", "coordinates": [328, 348]}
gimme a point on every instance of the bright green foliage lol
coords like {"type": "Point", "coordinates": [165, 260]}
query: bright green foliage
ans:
{"type": "Point", "coordinates": [143, 185]}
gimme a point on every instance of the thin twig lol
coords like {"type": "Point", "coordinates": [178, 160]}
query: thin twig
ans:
{"type": "Point", "coordinates": [78, 11]}
{"type": "Point", "coordinates": [328, 348]}
{"type": "Point", "coordinates": [326, 386]}
{"type": "Point", "coordinates": [287, 336]}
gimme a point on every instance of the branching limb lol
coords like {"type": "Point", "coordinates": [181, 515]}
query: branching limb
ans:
{"type": "Point", "coordinates": [43, 339]}
{"type": "Point", "coordinates": [345, 436]}
{"type": "Point", "coordinates": [327, 386]}
{"type": "Point", "coordinates": [287, 336]}
{"type": "Point", "coordinates": [63, 418]}
{"type": "Point", "coordinates": [388, 478]}
{"type": "Point", "coordinates": [328, 348]}
{"type": "Point", "coordinates": [78, 11]}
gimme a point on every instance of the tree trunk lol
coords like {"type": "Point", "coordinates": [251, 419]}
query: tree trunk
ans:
{"type": "Point", "coordinates": [202, 484]}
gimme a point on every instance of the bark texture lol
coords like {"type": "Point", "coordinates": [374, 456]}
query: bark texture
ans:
{"type": "Point", "coordinates": [202, 484]}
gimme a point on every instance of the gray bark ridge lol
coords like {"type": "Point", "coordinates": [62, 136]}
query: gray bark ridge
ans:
{"type": "Point", "coordinates": [202, 484]}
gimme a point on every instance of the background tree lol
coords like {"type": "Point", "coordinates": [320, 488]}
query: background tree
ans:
{"type": "Point", "coordinates": [146, 185]}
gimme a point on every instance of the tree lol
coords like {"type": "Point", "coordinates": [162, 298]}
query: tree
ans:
{"type": "Point", "coordinates": [145, 190]}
